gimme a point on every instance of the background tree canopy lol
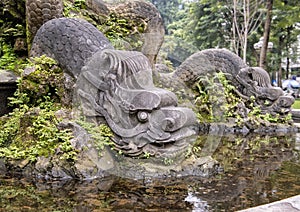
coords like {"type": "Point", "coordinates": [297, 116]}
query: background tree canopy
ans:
{"type": "Point", "coordinates": [193, 25]}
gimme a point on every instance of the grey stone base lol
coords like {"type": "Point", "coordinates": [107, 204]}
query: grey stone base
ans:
{"type": "Point", "coordinates": [289, 205]}
{"type": "Point", "coordinates": [296, 115]}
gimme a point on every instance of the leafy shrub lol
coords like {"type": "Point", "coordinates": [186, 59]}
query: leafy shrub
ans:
{"type": "Point", "coordinates": [31, 130]}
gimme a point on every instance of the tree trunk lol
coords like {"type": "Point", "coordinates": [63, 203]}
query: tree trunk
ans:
{"type": "Point", "coordinates": [288, 37]}
{"type": "Point", "coordinates": [246, 31]}
{"type": "Point", "coordinates": [287, 73]}
{"type": "Point", "coordinates": [280, 47]}
{"type": "Point", "coordinates": [234, 29]}
{"type": "Point", "coordinates": [267, 28]}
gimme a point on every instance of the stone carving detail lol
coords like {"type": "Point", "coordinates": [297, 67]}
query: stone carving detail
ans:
{"type": "Point", "coordinates": [248, 81]}
{"type": "Point", "coordinates": [39, 12]}
{"type": "Point", "coordinates": [118, 86]}
{"type": "Point", "coordinates": [145, 118]}
{"type": "Point", "coordinates": [256, 82]}
{"type": "Point", "coordinates": [70, 41]}
{"type": "Point", "coordinates": [147, 15]}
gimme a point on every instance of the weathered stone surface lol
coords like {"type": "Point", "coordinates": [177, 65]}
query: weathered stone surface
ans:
{"type": "Point", "coordinates": [296, 115]}
{"type": "Point", "coordinates": [70, 41]}
{"type": "Point", "coordinates": [91, 163]}
{"type": "Point", "coordinates": [147, 14]}
{"type": "Point", "coordinates": [7, 77]}
{"type": "Point", "coordinates": [141, 12]}
{"type": "Point", "coordinates": [98, 6]}
{"type": "Point", "coordinates": [252, 84]}
{"type": "Point", "coordinates": [288, 204]}
{"type": "Point", "coordinates": [145, 119]}
{"type": "Point", "coordinates": [118, 86]}
{"type": "Point", "coordinates": [165, 167]}
{"type": "Point", "coordinates": [39, 12]}
{"type": "Point", "coordinates": [8, 86]}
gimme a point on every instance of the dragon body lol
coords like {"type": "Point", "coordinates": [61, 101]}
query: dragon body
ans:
{"type": "Point", "coordinates": [118, 86]}
{"type": "Point", "coordinates": [251, 83]}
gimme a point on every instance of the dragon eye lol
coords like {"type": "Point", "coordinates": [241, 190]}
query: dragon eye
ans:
{"type": "Point", "coordinates": [142, 116]}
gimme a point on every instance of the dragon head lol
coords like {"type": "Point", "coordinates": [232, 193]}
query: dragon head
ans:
{"type": "Point", "coordinates": [118, 85]}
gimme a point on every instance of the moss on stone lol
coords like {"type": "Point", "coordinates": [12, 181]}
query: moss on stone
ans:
{"type": "Point", "coordinates": [43, 77]}
{"type": "Point", "coordinates": [31, 130]}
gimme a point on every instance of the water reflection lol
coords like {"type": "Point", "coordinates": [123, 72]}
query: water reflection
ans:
{"type": "Point", "coordinates": [257, 170]}
{"type": "Point", "coordinates": [297, 141]}
{"type": "Point", "coordinates": [198, 204]}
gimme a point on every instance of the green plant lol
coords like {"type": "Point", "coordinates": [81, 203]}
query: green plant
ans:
{"type": "Point", "coordinates": [122, 31]}
{"type": "Point", "coordinates": [43, 78]}
{"type": "Point", "coordinates": [115, 27]}
{"type": "Point", "coordinates": [256, 115]}
{"type": "Point", "coordinates": [215, 97]}
{"type": "Point", "coordinates": [72, 8]}
{"type": "Point", "coordinates": [29, 133]}
{"type": "Point", "coordinates": [147, 155]}
{"type": "Point", "coordinates": [208, 95]}
{"type": "Point", "coordinates": [168, 161]}
{"type": "Point", "coordinates": [193, 150]}
{"type": "Point", "coordinates": [204, 106]}
{"type": "Point", "coordinates": [232, 100]}
{"type": "Point", "coordinates": [8, 58]}
{"type": "Point", "coordinates": [31, 130]}
{"type": "Point", "coordinates": [80, 4]}
{"type": "Point", "coordinates": [288, 118]}
{"type": "Point", "coordinates": [101, 134]}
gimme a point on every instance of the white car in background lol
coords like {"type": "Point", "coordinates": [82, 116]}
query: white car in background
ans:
{"type": "Point", "coordinates": [291, 86]}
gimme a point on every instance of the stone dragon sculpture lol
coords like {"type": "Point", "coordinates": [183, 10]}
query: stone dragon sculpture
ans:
{"type": "Point", "coordinates": [141, 12]}
{"type": "Point", "coordinates": [39, 12]}
{"type": "Point", "coordinates": [251, 83]}
{"type": "Point", "coordinates": [118, 86]}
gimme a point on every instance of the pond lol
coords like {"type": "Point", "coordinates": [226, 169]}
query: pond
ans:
{"type": "Point", "coordinates": [254, 170]}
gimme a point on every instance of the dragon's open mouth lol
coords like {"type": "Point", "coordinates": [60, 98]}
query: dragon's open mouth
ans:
{"type": "Point", "coordinates": [145, 144]}
{"type": "Point", "coordinates": [283, 104]}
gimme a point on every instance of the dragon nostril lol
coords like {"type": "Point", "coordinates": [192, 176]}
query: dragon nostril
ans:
{"type": "Point", "coordinates": [168, 124]}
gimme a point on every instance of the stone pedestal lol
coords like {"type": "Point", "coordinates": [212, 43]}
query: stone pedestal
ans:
{"type": "Point", "coordinates": [8, 86]}
{"type": "Point", "coordinates": [296, 115]}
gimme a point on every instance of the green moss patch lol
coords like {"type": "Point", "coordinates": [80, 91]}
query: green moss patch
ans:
{"type": "Point", "coordinates": [217, 100]}
{"type": "Point", "coordinates": [31, 130]}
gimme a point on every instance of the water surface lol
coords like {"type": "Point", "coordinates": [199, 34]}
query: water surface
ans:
{"type": "Point", "coordinates": [254, 170]}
